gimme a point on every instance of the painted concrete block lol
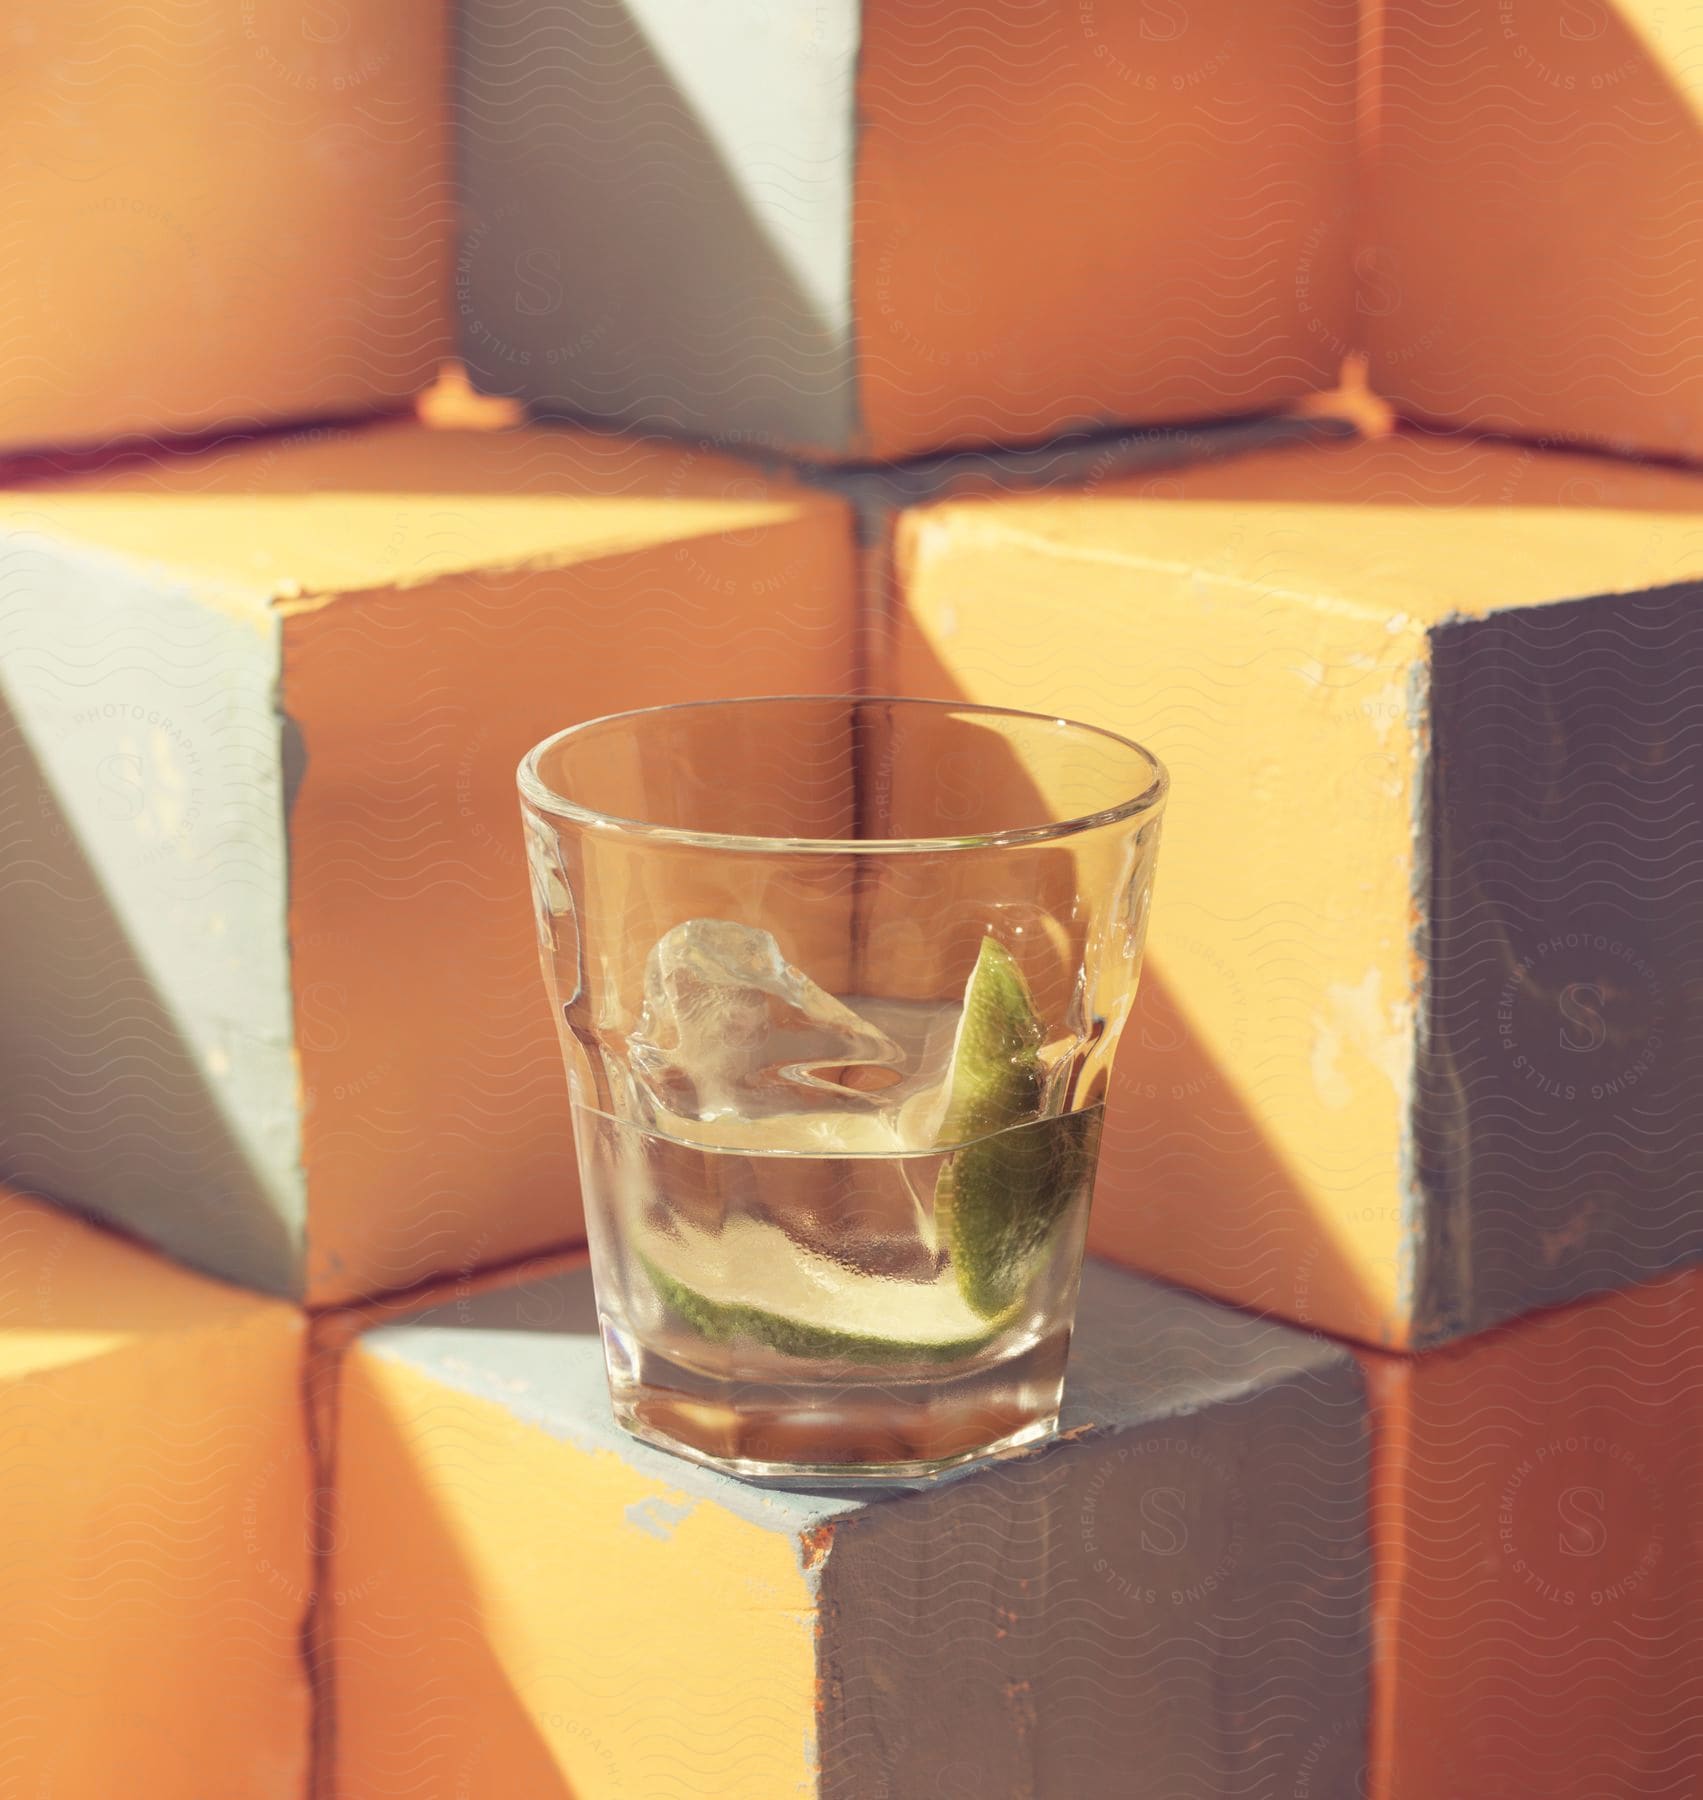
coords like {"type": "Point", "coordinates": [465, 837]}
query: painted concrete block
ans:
{"type": "Point", "coordinates": [869, 230]}
{"type": "Point", "coordinates": [1420, 1042]}
{"type": "Point", "coordinates": [1533, 255]}
{"type": "Point", "coordinates": [278, 1007]}
{"type": "Point", "coordinates": [1536, 1502]}
{"type": "Point", "coordinates": [1168, 1599]}
{"type": "Point", "coordinates": [231, 214]}
{"type": "Point", "coordinates": [154, 1520]}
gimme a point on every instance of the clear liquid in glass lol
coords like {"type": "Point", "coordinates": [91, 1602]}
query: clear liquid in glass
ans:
{"type": "Point", "coordinates": [805, 1294]}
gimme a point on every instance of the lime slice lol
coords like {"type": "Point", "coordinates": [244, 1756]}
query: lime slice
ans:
{"type": "Point", "coordinates": [812, 1306]}
{"type": "Point", "coordinates": [994, 1077]}
{"type": "Point", "coordinates": [1002, 1192]}
{"type": "Point", "coordinates": [1002, 1197]}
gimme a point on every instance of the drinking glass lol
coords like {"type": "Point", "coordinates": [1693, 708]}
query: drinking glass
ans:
{"type": "Point", "coordinates": [839, 981]}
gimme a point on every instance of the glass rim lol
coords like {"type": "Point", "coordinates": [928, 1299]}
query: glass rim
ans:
{"type": "Point", "coordinates": [538, 794]}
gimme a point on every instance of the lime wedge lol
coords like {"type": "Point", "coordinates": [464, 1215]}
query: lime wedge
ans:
{"type": "Point", "coordinates": [1001, 1198]}
{"type": "Point", "coordinates": [812, 1306]}
{"type": "Point", "coordinates": [1001, 1193]}
{"type": "Point", "coordinates": [994, 1076]}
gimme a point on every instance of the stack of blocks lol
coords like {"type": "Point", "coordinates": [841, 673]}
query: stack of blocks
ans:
{"type": "Point", "coordinates": [943, 351]}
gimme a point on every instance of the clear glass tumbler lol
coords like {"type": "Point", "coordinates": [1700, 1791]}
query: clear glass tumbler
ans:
{"type": "Point", "coordinates": [839, 982]}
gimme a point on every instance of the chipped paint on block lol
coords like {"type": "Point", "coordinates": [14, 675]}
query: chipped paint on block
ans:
{"type": "Point", "coordinates": [1182, 1575]}
{"type": "Point", "coordinates": [1356, 1021]}
{"type": "Point", "coordinates": [658, 1517]}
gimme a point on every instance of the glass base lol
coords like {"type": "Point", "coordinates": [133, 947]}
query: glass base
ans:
{"type": "Point", "coordinates": [640, 1419]}
{"type": "Point", "coordinates": [824, 1430]}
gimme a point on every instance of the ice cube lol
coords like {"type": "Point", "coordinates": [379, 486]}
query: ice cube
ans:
{"type": "Point", "coordinates": [731, 1029]}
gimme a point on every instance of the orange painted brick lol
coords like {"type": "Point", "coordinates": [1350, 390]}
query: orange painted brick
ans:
{"type": "Point", "coordinates": [877, 228]}
{"type": "Point", "coordinates": [1419, 1045]}
{"type": "Point", "coordinates": [1533, 247]}
{"type": "Point", "coordinates": [219, 215]}
{"type": "Point", "coordinates": [154, 1522]}
{"type": "Point", "coordinates": [1537, 1509]}
{"type": "Point", "coordinates": [279, 1009]}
